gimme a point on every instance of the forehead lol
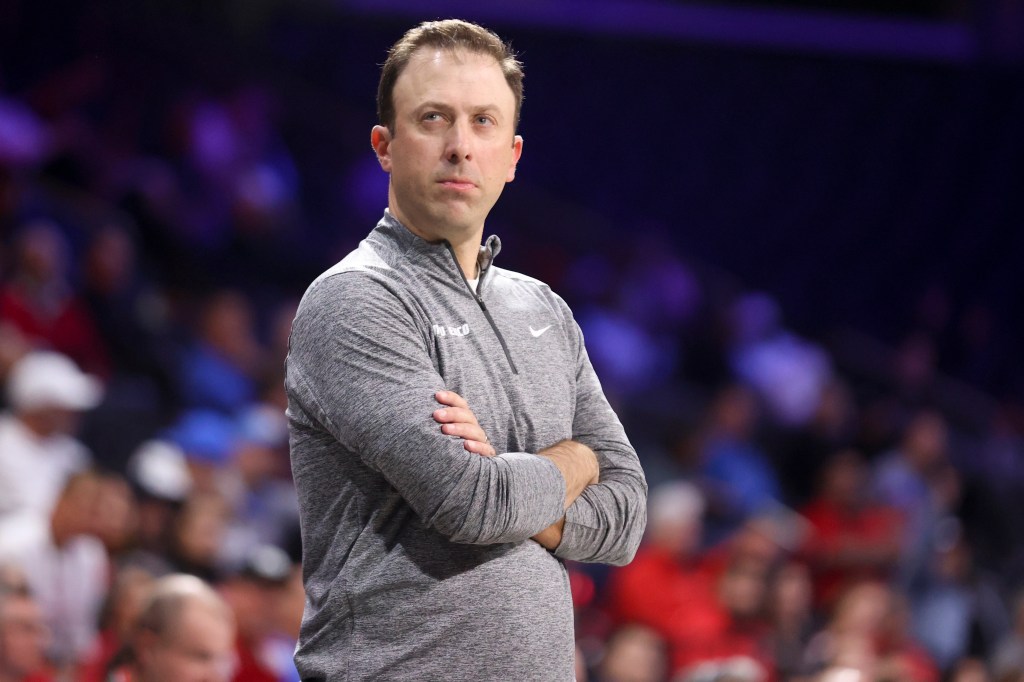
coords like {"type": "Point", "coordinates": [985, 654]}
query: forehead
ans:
{"type": "Point", "coordinates": [205, 628]}
{"type": "Point", "coordinates": [456, 76]}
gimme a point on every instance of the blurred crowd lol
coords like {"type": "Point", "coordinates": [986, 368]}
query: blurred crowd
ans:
{"type": "Point", "coordinates": [143, 327]}
{"type": "Point", "coordinates": [820, 509]}
{"type": "Point", "coordinates": [824, 508]}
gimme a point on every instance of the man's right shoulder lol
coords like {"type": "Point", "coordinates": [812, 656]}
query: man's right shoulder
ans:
{"type": "Point", "coordinates": [363, 259]}
{"type": "Point", "coordinates": [362, 270]}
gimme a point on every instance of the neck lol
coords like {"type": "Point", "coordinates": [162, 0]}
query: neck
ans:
{"type": "Point", "coordinates": [466, 253]}
{"type": "Point", "coordinates": [465, 242]}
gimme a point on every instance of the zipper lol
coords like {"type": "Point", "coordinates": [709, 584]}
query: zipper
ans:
{"type": "Point", "coordinates": [483, 306]}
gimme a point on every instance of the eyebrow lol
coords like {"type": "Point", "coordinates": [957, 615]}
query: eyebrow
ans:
{"type": "Point", "coordinates": [440, 106]}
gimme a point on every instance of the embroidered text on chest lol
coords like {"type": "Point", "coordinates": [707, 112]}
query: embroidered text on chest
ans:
{"type": "Point", "coordinates": [441, 330]}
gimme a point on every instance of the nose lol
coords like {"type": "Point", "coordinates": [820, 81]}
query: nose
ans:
{"type": "Point", "coordinates": [458, 144]}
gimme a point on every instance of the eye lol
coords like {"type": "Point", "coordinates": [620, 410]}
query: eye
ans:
{"type": "Point", "coordinates": [432, 116]}
{"type": "Point", "coordinates": [484, 120]}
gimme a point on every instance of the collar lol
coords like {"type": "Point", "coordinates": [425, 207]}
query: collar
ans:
{"type": "Point", "coordinates": [394, 231]}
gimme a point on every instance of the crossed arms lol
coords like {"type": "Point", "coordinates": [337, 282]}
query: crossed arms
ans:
{"type": "Point", "coordinates": [575, 461]}
{"type": "Point", "coordinates": [371, 387]}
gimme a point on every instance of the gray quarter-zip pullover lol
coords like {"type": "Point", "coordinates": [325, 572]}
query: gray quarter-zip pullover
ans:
{"type": "Point", "coordinates": [417, 557]}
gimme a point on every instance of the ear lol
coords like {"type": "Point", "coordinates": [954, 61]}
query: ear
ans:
{"type": "Point", "coordinates": [380, 140]}
{"type": "Point", "coordinates": [517, 151]}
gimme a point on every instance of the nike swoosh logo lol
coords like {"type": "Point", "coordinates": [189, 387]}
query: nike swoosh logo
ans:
{"type": "Point", "coordinates": [538, 332]}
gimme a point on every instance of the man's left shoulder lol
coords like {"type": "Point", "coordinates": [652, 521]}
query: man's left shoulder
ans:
{"type": "Point", "coordinates": [517, 280]}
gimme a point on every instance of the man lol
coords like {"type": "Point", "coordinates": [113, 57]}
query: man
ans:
{"type": "Point", "coordinates": [23, 637]}
{"type": "Point", "coordinates": [449, 438]}
{"type": "Point", "coordinates": [64, 563]}
{"type": "Point", "coordinates": [254, 591]}
{"type": "Point", "coordinates": [46, 393]}
{"type": "Point", "coordinates": [185, 633]}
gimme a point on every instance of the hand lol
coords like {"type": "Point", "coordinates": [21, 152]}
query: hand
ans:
{"type": "Point", "coordinates": [578, 465]}
{"type": "Point", "coordinates": [457, 419]}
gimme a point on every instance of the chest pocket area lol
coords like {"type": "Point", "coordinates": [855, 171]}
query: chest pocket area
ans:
{"type": "Point", "coordinates": [547, 381]}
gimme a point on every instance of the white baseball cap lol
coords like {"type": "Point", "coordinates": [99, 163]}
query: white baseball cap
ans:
{"type": "Point", "coordinates": [43, 379]}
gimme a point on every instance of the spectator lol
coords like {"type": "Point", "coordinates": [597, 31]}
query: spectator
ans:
{"type": "Point", "coordinates": [736, 473]}
{"type": "Point", "coordinates": [851, 539]}
{"type": "Point", "coordinates": [133, 317]}
{"type": "Point", "coordinates": [1007, 661]}
{"type": "Point", "coordinates": [161, 480]}
{"type": "Point", "coordinates": [131, 313]}
{"type": "Point", "coordinates": [801, 452]}
{"type": "Point", "coordinates": [46, 393]}
{"type": "Point", "coordinates": [197, 535]}
{"type": "Point", "coordinates": [792, 620]}
{"type": "Point", "coordinates": [184, 634]}
{"type": "Point", "coordinates": [789, 373]}
{"type": "Point", "coordinates": [867, 634]}
{"type": "Point", "coordinates": [740, 630]}
{"type": "Point", "coordinates": [255, 593]}
{"type": "Point", "coordinates": [40, 301]}
{"type": "Point", "coordinates": [666, 587]}
{"type": "Point", "coordinates": [65, 565]}
{"type": "Point", "coordinates": [220, 370]}
{"type": "Point", "coordinates": [121, 611]}
{"type": "Point", "coordinates": [208, 440]}
{"type": "Point", "coordinates": [918, 480]}
{"type": "Point", "coordinates": [258, 484]}
{"type": "Point", "coordinates": [957, 611]}
{"type": "Point", "coordinates": [23, 638]}
{"type": "Point", "coordinates": [116, 515]}
{"type": "Point", "coordinates": [634, 653]}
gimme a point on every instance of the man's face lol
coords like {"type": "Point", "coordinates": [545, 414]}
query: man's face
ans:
{"type": "Point", "coordinates": [23, 637]}
{"type": "Point", "coordinates": [454, 145]}
{"type": "Point", "coordinates": [201, 649]}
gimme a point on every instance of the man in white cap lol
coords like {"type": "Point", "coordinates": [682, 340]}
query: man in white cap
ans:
{"type": "Point", "coordinates": [46, 393]}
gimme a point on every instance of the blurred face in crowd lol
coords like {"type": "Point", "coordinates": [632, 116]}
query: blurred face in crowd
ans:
{"type": "Point", "coordinates": [743, 588]}
{"type": "Point", "coordinates": [200, 529]}
{"type": "Point", "coordinates": [453, 145]}
{"type": "Point", "coordinates": [844, 478]}
{"type": "Point", "coordinates": [77, 509]}
{"type": "Point", "coordinates": [198, 648]}
{"type": "Point", "coordinates": [23, 637]}
{"type": "Point", "coordinates": [256, 605]}
{"type": "Point", "coordinates": [634, 654]}
{"type": "Point", "coordinates": [791, 593]}
{"type": "Point", "coordinates": [116, 513]}
{"type": "Point", "coordinates": [926, 441]}
{"type": "Point", "coordinates": [42, 253]}
{"type": "Point", "coordinates": [50, 421]}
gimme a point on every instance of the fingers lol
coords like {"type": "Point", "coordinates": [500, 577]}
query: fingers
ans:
{"type": "Point", "coordinates": [458, 420]}
{"type": "Point", "coordinates": [483, 449]}
{"type": "Point", "coordinates": [466, 431]}
{"type": "Point", "coordinates": [451, 398]}
{"type": "Point", "coordinates": [454, 415]}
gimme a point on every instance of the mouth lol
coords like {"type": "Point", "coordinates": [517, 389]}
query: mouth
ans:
{"type": "Point", "coordinates": [460, 184]}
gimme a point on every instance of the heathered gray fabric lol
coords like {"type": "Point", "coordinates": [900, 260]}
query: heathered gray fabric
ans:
{"type": "Point", "coordinates": [416, 553]}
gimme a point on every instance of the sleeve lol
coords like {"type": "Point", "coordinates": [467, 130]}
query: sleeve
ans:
{"type": "Point", "coordinates": [359, 365]}
{"type": "Point", "coordinates": [606, 522]}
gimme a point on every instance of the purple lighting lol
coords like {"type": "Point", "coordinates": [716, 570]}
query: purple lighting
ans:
{"type": "Point", "coordinates": [786, 30]}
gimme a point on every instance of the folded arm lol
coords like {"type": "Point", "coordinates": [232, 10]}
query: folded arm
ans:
{"type": "Point", "coordinates": [606, 522]}
{"type": "Point", "coordinates": [359, 365]}
{"type": "Point", "coordinates": [576, 462]}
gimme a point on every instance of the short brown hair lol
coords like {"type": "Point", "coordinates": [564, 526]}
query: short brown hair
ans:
{"type": "Point", "coordinates": [449, 34]}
